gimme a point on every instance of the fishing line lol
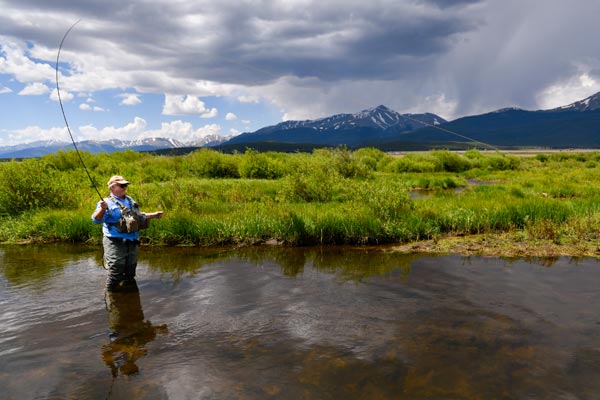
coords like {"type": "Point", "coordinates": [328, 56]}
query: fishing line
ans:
{"type": "Point", "coordinates": [267, 72]}
{"type": "Point", "coordinates": [449, 131]}
{"type": "Point", "coordinates": [64, 115]}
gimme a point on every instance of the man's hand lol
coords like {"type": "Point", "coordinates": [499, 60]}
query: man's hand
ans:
{"type": "Point", "coordinates": [156, 214]}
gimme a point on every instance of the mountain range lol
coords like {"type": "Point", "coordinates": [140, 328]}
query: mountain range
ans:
{"type": "Point", "coordinates": [576, 125]}
{"type": "Point", "coordinates": [40, 148]}
{"type": "Point", "coordinates": [353, 130]}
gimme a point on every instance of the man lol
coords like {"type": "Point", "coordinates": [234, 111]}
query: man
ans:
{"type": "Point", "coordinates": [121, 221]}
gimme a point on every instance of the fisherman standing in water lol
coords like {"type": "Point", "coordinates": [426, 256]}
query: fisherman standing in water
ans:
{"type": "Point", "coordinates": [122, 220]}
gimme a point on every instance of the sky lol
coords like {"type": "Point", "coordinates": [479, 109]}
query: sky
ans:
{"type": "Point", "coordinates": [185, 69]}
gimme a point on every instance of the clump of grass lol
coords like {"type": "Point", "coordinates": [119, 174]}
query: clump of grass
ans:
{"type": "Point", "coordinates": [316, 186]}
{"type": "Point", "coordinates": [51, 225]}
{"type": "Point", "coordinates": [65, 226]}
{"type": "Point", "coordinates": [386, 200]}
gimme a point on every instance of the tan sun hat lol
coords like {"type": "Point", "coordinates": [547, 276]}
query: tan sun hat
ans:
{"type": "Point", "coordinates": [117, 179]}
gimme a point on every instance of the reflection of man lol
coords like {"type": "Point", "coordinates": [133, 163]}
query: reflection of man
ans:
{"type": "Point", "coordinates": [129, 333]}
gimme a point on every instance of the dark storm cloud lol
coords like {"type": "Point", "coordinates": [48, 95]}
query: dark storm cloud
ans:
{"type": "Point", "coordinates": [255, 42]}
{"type": "Point", "coordinates": [471, 55]}
{"type": "Point", "coordinates": [523, 49]}
{"type": "Point", "coordinates": [451, 3]}
{"type": "Point", "coordinates": [333, 44]}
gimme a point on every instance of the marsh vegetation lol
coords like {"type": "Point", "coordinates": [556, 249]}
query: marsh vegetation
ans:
{"type": "Point", "coordinates": [328, 197]}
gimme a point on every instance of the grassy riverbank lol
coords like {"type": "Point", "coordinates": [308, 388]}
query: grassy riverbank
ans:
{"type": "Point", "coordinates": [328, 197]}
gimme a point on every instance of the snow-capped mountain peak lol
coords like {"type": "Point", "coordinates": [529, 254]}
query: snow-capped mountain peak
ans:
{"type": "Point", "coordinates": [350, 129]}
{"type": "Point", "coordinates": [588, 104]}
{"type": "Point", "coordinates": [380, 118]}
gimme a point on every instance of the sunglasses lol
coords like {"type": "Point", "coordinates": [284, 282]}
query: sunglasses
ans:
{"type": "Point", "coordinates": [123, 185]}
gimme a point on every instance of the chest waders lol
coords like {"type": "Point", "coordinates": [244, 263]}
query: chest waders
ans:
{"type": "Point", "coordinates": [131, 220]}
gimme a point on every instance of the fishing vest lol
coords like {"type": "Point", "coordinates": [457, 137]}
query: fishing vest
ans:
{"type": "Point", "coordinates": [132, 220]}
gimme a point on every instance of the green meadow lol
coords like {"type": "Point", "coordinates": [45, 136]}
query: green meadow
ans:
{"type": "Point", "coordinates": [327, 197]}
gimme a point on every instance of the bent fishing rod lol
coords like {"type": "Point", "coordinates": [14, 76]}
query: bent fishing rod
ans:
{"type": "Point", "coordinates": [64, 115]}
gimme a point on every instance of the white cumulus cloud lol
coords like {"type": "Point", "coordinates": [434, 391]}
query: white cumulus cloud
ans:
{"type": "Point", "coordinates": [132, 130]}
{"type": "Point", "coordinates": [34, 89]}
{"type": "Point", "coordinates": [16, 62]}
{"type": "Point", "coordinates": [130, 99]}
{"type": "Point", "coordinates": [35, 133]}
{"type": "Point", "coordinates": [137, 129]}
{"type": "Point", "coordinates": [187, 105]}
{"type": "Point", "coordinates": [184, 131]}
{"type": "Point", "coordinates": [87, 107]}
{"type": "Point", "coordinates": [4, 89]}
{"type": "Point", "coordinates": [64, 96]}
{"type": "Point", "coordinates": [230, 117]}
{"type": "Point", "coordinates": [210, 114]}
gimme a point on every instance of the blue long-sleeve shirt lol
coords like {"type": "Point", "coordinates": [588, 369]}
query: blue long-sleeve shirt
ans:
{"type": "Point", "coordinates": [112, 216]}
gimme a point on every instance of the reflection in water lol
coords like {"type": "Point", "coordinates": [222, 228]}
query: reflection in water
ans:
{"type": "Point", "coordinates": [348, 263]}
{"type": "Point", "coordinates": [301, 323]}
{"type": "Point", "coordinates": [34, 265]}
{"type": "Point", "coordinates": [129, 333]}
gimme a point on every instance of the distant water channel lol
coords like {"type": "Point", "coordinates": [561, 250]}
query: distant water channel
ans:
{"type": "Point", "coordinates": [272, 323]}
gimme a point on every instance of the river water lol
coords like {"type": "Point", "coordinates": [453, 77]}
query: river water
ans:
{"type": "Point", "coordinates": [280, 323]}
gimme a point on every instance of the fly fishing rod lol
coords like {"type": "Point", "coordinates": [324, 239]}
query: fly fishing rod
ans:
{"type": "Point", "coordinates": [64, 115]}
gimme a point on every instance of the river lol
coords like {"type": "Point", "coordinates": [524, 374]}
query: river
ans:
{"type": "Point", "coordinates": [297, 323]}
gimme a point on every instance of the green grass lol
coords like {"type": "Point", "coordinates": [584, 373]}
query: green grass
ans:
{"type": "Point", "coordinates": [329, 197]}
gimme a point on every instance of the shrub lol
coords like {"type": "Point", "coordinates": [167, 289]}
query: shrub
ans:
{"type": "Point", "coordinates": [256, 165]}
{"type": "Point", "coordinates": [451, 162]}
{"type": "Point", "coordinates": [29, 185]}
{"type": "Point", "coordinates": [500, 162]}
{"type": "Point", "coordinates": [159, 169]}
{"type": "Point", "coordinates": [212, 164]}
{"type": "Point", "coordinates": [410, 164]}
{"type": "Point", "coordinates": [473, 154]}
{"type": "Point", "coordinates": [347, 165]}
{"type": "Point", "coordinates": [70, 160]}
{"type": "Point", "coordinates": [370, 158]}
